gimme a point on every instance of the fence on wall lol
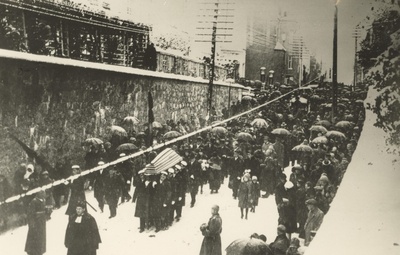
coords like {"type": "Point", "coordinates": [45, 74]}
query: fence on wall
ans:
{"type": "Point", "coordinates": [56, 28]}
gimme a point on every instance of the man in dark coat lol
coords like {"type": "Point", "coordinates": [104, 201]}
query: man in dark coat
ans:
{"type": "Point", "coordinates": [113, 186]}
{"type": "Point", "coordinates": [98, 186]}
{"type": "Point", "coordinates": [82, 236]}
{"type": "Point", "coordinates": [236, 168]}
{"type": "Point", "coordinates": [281, 242]}
{"type": "Point", "coordinates": [182, 180]}
{"type": "Point", "coordinates": [162, 196]}
{"type": "Point", "coordinates": [314, 220]}
{"type": "Point", "coordinates": [141, 197]}
{"type": "Point", "coordinates": [194, 180]}
{"type": "Point", "coordinates": [36, 239]}
{"type": "Point", "coordinates": [212, 234]}
{"type": "Point", "coordinates": [77, 191]}
{"type": "Point", "coordinates": [125, 168]}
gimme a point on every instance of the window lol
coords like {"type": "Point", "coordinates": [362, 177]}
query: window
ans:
{"type": "Point", "coordinates": [290, 62]}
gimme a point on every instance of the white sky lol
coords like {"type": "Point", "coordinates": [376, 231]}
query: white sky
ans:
{"type": "Point", "coordinates": [315, 18]}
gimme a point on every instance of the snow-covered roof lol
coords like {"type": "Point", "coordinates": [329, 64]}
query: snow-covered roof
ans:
{"type": "Point", "coordinates": [279, 46]}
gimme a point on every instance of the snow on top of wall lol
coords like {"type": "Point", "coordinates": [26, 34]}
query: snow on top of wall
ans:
{"type": "Point", "coordinates": [106, 67]}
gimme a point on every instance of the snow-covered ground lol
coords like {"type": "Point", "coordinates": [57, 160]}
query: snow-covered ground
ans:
{"type": "Point", "coordinates": [121, 235]}
{"type": "Point", "coordinates": [364, 217]}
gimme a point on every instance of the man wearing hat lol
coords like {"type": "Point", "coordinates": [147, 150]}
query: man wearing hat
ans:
{"type": "Point", "coordinates": [281, 242]}
{"type": "Point", "coordinates": [314, 220]}
{"type": "Point", "coordinates": [49, 201]}
{"type": "Point", "coordinates": [36, 239]}
{"type": "Point", "coordinates": [82, 235]}
{"type": "Point", "coordinates": [162, 196]}
{"type": "Point", "coordinates": [113, 187]}
{"type": "Point", "coordinates": [125, 168]}
{"type": "Point", "coordinates": [98, 186]}
{"type": "Point", "coordinates": [77, 190]}
{"type": "Point", "coordinates": [211, 231]}
{"type": "Point", "coordinates": [301, 208]}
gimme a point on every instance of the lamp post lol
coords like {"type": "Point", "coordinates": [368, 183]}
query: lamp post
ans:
{"type": "Point", "coordinates": [262, 77]}
{"type": "Point", "coordinates": [271, 78]}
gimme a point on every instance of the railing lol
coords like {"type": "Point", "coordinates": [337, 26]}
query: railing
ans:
{"type": "Point", "coordinates": [52, 29]}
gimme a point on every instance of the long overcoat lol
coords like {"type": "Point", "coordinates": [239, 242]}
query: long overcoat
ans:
{"type": "Point", "coordinates": [244, 195]}
{"type": "Point", "coordinates": [212, 239]}
{"type": "Point", "coordinates": [83, 237]}
{"type": "Point", "coordinates": [162, 195]}
{"type": "Point", "coordinates": [314, 221]}
{"type": "Point", "coordinates": [141, 196]}
{"type": "Point", "coordinates": [77, 194]}
{"type": "Point", "coordinates": [36, 239]}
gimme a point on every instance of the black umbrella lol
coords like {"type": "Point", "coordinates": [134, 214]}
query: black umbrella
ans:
{"type": "Point", "coordinates": [126, 147]}
{"type": "Point", "coordinates": [248, 246]}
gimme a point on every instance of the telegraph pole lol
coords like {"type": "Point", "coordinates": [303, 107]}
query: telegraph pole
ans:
{"type": "Point", "coordinates": [356, 35]}
{"type": "Point", "coordinates": [217, 10]}
{"type": "Point", "coordinates": [212, 64]}
{"type": "Point", "coordinates": [334, 67]}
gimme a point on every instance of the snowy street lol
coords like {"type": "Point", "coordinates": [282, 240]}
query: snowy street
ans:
{"type": "Point", "coordinates": [120, 235]}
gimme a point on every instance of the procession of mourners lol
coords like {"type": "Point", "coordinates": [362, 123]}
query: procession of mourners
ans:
{"type": "Point", "coordinates": [248, 154]}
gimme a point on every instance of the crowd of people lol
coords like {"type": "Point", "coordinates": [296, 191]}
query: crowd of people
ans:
{"type": "Point", "coordinates": [249, 153]}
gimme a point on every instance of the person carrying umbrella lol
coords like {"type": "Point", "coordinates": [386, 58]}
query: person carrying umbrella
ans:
{"type": "Point", "coordinates": [211, 231]}
{"type": "Point", "coordinates": [113, 186]}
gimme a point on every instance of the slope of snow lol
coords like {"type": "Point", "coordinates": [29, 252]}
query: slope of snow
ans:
{"type": "Point", "coordinates": [365, 215]}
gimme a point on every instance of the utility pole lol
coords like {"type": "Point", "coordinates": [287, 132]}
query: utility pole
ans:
{"type": "Point", "coordinates": [334, 67]}
{"type": "Point", "coordinates": [212, 64]}
{"type": "Point", "coordinates": [356, 35]}
{"type": "Point", "coordinates": [218, 11]}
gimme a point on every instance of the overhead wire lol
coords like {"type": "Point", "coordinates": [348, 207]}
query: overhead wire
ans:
{"type": "Point", "coordinates": [71, 178]}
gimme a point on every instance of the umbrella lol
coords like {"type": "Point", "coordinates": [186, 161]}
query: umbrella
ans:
{"type": "Point", "coordinates": [301, 100]}
{"type": "Point", "coordinates": [324, 123]}
{"type": "Point", "coordinates": [359, 101]}
{"type": "Point", "coordinates": [259, 123]}
{"type": "Point", "coordinates": [276, 93]}
{"type": "Point", "coordinates": [171, 134]}
{"type": "Point", "coordinates": [156, 124]}
{"type": "Point", "coordinates": [92, 141]}
{"type": "Point", "coordinates": [344, 124]}
{"type": "Point", "coordinates": [334, 133]}
{"type": "Point", "coordinates": [319, 128]}
{"type": "Point", "coordinates": [218, 122]}
{"type": "Point", "coordinates": [219, 130]}
{"type": "Point", "coordinates": [280, 131]}
{"type": "Point", "coordinates": [126, 147]}
{"type": "Point", "coordinates": [315, 97]}
{"type": "Point", "coordinates": [349, 117]}
{"type": "Point", "coordinates": [117, 130]}
{"type": "Point", "coordinates": [247, 98]}
{"type": "Point", "coordinates": [302, 148]}
{"type": "Point", "coordinates": [320, 140]}
{"type": "Point", "coordinates": [248, 246]}
{"type": "Point", "coordinates": [244, 136]}
{"type": "Point", "coordinates": [140, 134]}
{"type": "Point", "coordinates": [131, 120]}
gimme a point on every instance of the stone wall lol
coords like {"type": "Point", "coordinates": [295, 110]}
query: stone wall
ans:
{"type": "Point", "coordinates": [53, 108]}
